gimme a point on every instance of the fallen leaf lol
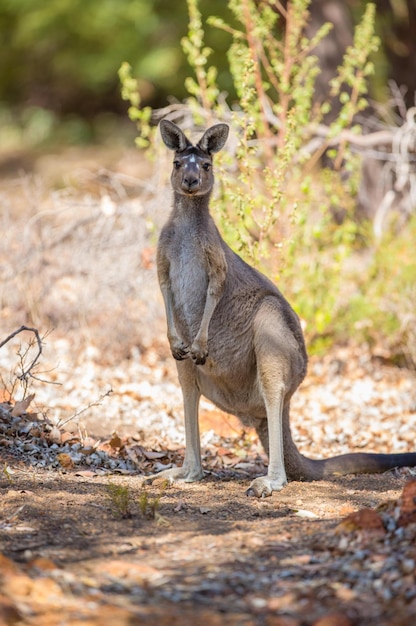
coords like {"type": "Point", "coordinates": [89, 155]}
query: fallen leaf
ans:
{"type": "Point", "coordinates": [22, 528]}
{"type": "Point", "coordinates": [8, 471]}
{"type": "Point", "coordinates": [152, 454]}
{"type": "Point", "coordinates": [243, 465]}
{"type": "Point", "coordinates": [66, 437]}
{"type": "Point", "coordinates": [87, 451]}
{"type": "Point", "coordinates": [65, 460]}
{"type": "Point", "coordinates": [132, 455]}
{"type": "Point", "coordinates": [305, 514]}
{"type": "Point", "coordinates": [86, 473]}
{"type": "Point", "coordinates": [365, 519]}
{"type": "Point", "coordinates": [22, 405]}
{"type": "Point", "coordinates": [42, 563]}
{"type": "Point", "coordinates": [228, 460]}
{"type": "Point", "coordinates": [7, 566]}
{"type": "Point", "coordinates": [54, 435]}
{"type": "Point", "coordinates": [221, 451]}
{"type": "Point", "coordinates": [35, 432]}
{"type": "Point", "coordinates": [115, 441]}
{"type": "Point", "coordinates": [408, 504]}
{"type": "Point", "coordinates": [158, 467]}
{"type": "Point", "coordinates": [90, 442]}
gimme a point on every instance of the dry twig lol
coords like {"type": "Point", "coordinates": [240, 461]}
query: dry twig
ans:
{"type": "Point", "coordinates": [78, 413]}
{"type": "Point", "coordinates": [26, 371]}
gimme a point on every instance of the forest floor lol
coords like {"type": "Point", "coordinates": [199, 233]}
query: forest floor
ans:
{"type": "Point", "coordinates": [83, 539]}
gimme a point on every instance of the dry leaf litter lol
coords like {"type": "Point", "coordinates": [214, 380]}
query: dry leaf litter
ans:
{"type": "Point", "coordinates": [367, 561]}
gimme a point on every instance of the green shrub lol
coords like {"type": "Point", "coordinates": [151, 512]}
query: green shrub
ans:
{"type": "Point", "coordinates": [277, 204]}
{"type": "Point", "coordinates": [383, 309]}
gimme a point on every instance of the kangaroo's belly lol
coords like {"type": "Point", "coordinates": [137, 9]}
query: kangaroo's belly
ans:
{"type": "Point", "coordinates": [245, 403]}
{"type": "Point", "coordinates": [230, 381]}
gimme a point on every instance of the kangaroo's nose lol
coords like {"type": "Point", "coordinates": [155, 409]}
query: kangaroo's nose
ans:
{"type": "Point", "coordinates": [190, 182]}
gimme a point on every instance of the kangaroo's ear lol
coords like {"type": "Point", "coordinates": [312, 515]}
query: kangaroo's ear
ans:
{"type": "Point", "coordinates": [214, 138]}
{"type": "Point", "coordinates": [173, 137]}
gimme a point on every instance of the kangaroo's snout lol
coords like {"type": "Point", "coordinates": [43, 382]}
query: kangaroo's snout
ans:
{"type": "Point", "coordinates": [191, 180]}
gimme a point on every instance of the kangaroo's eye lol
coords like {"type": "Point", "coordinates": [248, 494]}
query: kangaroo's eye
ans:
{"type": "Point", "coordinates": [177, 164]}
{"type": "Point", "coordinates": [206, 166]}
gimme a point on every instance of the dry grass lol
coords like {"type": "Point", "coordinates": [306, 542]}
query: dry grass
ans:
{"type": "Point", "coordinates": [79, 235]}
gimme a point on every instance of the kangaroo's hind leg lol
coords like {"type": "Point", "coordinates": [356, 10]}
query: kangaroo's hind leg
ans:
{"type": "Point", "coordinates": [276, 475]}
{"type": "Point", "coordinates": [280, 368]}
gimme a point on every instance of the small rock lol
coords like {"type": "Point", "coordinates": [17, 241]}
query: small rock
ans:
{"type": "Point", "coordinates": [204, 510]}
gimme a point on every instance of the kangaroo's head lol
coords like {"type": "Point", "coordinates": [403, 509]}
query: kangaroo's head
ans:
{"type": "Point", "coordinates": [192, 166]}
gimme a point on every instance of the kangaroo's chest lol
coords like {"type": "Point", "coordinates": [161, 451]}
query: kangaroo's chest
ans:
{"type": "Point", "coordinates": [189, 282]}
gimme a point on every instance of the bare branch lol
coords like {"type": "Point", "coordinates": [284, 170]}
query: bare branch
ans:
{"type": "Point", "coordinates": [75, 415]}
{"type": "Point", "coordinates": [27, 371]}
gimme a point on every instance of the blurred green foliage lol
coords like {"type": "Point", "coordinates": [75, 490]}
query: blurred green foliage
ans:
{"type": "Point", "coordinates": [64, 54]}
{"type": "Point", "coordinates": [382, 309]}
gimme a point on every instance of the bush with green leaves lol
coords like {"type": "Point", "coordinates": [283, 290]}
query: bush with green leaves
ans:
{"type": "Point", "coordinates": [382, 308]}
{"type": "Point", "coordinates": [279, 204]}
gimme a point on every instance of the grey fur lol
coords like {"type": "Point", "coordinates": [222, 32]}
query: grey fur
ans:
{"type": "Point", "coordinates": [236, 339]}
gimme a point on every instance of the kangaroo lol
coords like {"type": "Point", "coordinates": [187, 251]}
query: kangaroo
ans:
{"type": "Point", "coordinates": [235, 338]}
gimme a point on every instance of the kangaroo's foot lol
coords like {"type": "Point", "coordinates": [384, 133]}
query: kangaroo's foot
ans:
{"type": "Point", "coordinates": [264, 486]}
{"type": "Point", "coordinates": [178, 474]}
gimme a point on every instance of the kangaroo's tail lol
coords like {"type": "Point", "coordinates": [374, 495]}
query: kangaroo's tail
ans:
{"type": "Point", "coordinates": [299, 467]}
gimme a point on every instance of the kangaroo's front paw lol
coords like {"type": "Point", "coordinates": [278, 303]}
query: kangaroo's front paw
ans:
{"type": "Point", "coordinates": [264, 486]}
{"type": "Point", "coordinates": [199, 352]}
{"type": "Point", "coordinates": [178, 474]}
{"type": "Point", "coordinates": [179, 349]}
